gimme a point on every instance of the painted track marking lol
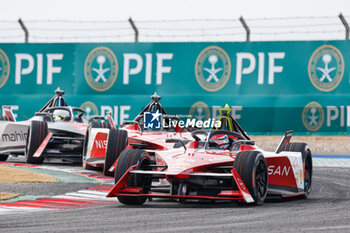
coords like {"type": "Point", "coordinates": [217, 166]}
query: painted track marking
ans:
{"type": "Point", "coordinates": [83, 198]}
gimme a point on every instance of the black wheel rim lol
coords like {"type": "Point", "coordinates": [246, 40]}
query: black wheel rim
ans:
{"type": "Point", "coordinates": [261, 179]}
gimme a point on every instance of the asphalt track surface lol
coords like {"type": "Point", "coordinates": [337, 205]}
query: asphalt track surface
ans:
{"type": "Point", "coordinates": [326, 210]}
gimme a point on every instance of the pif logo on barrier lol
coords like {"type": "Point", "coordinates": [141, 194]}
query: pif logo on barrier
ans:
{"type": "Point", "coordinates": [212, 68]}
{"type": "Point", "coordinates": [101, 69]}
{"type": "Point", "coordinates": [326, 68]}
{"type": "Point", "coordinates": [4, 68]}
{"type": "Point", "coordinates": [200, 111]}
{"type": "Point", "coordinates": [313, 116]}
{"type": "Point", "coordinates": [90, 109]}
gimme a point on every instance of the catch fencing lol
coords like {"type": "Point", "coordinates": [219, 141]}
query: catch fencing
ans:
{"type": "Point", "coordinates": [184, 30]}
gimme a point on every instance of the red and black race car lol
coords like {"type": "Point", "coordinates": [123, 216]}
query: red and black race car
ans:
{"type": "Point", "coordinates": [103, 146]}
{"type": "Point", "coordinates": [220, 164]}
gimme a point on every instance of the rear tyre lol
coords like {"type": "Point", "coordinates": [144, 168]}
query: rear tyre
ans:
{"type": "Point", "coordinates": [5, 118]}
{"type": "Point", "coordinates": [36, 134]}
{"type": "Point", "coordinates": [117, 141]}
{"type": "Point", "coordinates": [3, 157]}
{"type": "Point", "coordinates": [252, 167]}
{"type": "Point", "coordinates": [127, 159]}
{"type": "Point", "coordinates": [307, 162]}
{"type": "Point", "coordinates": [92, 124]}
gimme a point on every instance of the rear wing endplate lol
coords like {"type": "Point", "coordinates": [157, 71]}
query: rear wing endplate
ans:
{"type": "Point", "coordinates": [7, 111]}
{"type": "Point", "coordinates": [286, 139]}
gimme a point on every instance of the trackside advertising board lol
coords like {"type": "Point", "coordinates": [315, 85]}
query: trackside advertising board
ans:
{"type": "Point", "coordinates": [270, 86]}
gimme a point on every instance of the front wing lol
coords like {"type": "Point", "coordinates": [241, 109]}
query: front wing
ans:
{"type": "Point", "coordinates": [242, 193]}
{"type": "Point", "coordinates": [286, 178]}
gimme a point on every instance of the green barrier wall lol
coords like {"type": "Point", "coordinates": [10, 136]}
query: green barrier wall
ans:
{"type": "Point", "coordinates": [272, 86]}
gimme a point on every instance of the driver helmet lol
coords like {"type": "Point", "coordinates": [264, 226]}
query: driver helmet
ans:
{"type": "Point", "coordinates": [60, 115]}
{"type": "Point", "coordinates": [223, 142]}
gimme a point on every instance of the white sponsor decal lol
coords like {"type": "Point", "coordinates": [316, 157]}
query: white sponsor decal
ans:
{"type": "Point", "coordinates": [278, 170]}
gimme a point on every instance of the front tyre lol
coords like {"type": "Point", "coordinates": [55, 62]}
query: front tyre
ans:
{"type": "Point", "coordinates": [127, 159]}
{"type": "Point", "coordinates": [36, 134]}
{"type": "Point", "coordinates": [252, 167]}
{"type": "Point", "coordinates": [117, 141]}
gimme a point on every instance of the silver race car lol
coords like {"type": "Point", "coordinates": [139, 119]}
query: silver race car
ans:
{"type": "Point", "coordinates": [56, 131]}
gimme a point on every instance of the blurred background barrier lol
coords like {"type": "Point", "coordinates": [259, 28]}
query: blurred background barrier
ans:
{"type": "Point", "coordinates": [231, 68]}
{"type": "Point", "coordinates": [273, 86]}
{"type": "Point", "coordinates": [321, 115]}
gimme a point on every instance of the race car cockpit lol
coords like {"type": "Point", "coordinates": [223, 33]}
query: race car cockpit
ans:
{"type": "Point", "coordinates": [224, 137]}
{"type": "Point", "coordinates": [61, 114]}
{"type": "Point", "coordinates": [56, 109]}
{"type": "Point", "coordinates": [228, 123]}
{"type": "Point", "coordinates": [217, 139]}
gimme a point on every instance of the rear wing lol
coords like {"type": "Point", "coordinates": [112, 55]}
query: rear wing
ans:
{"type": "Point", "coordinates": [286, 139]}
{"type": "Point", "coordinates": [7, 111]}
{"type": "Point", "coordinates": [110, 120]}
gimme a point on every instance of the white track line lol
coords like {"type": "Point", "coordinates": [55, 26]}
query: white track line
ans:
{"type": "Point", "coordinates": [94, 192]}
{"type": "Point", "coordinates": [11, 210]}
{"type": "Point", "coordinates": [91, 196]}
{"type": "Point", "coordinates": [319, 162]}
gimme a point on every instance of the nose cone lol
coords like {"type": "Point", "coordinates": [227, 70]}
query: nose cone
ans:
{"type": "Point", "coordinates": [77, 128]}
{"type": "Point", "coordinates": [186, 162]}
